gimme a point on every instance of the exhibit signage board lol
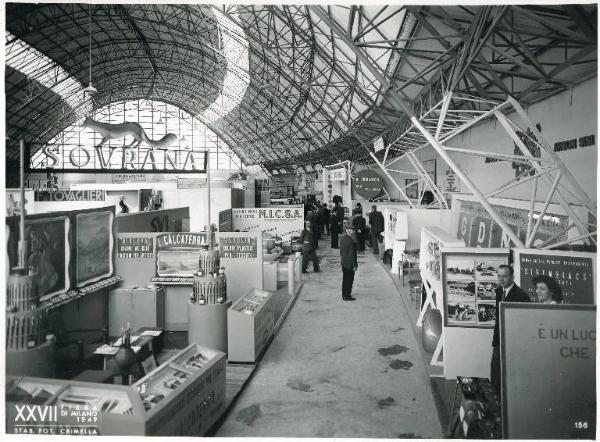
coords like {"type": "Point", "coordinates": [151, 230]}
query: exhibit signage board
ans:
{"type": "Point", "coordinates": [336, 182]}
{"type": "Point", "coordinates": [70, 195]}
{"type": "Point", "coordinates": [128, 177]}
{"type": "Point", "coordinates": [395, 223]}
{"type": "Point", "coordinates": [178, 256]}
{"type": "Point", "coordinates": [367, 183]}
{"type": "Point", "coordinates": [191, 183]}
{"type": "Point", "coordinates": [548, 355]}
{"type": "Point", "coordinates": [573, 271]}
{"type": "Point", "coordinates": [469, 281]}
{"type": "Point", "coordinates": [225, 220]}
{"type": "Point", "coordinates": [88, 159]}
{"type": "Point", "coordinates": [476, 227]}
{"type": "Point", "coordinates": [241, 254]}
{"type": "Point", "coordinates": [284, 221]}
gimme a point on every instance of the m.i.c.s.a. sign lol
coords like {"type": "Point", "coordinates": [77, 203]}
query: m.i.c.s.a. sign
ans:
{"type": "Point", "coordinates": [117, 160]}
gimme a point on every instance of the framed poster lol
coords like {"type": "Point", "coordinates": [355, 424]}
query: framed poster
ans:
{"type": "Point", "coordinates": [469, 281]}
{"type": "Point", "coordinates": [178, 263]}
{"type": "Point", "coordinates": [49, 253]}
{"type": "Point", "coordinates": [574, 272]}
{"type": "Point", "coordinates": [548, 355]}
{"type": "Point", "coordinates": [94, 244]}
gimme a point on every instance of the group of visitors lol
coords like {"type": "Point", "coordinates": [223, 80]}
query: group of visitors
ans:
{"type": "Point", "coordinates": [349, 235]}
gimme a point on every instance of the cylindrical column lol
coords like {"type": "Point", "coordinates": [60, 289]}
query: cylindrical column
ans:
{"type": "Point", "coordinates": [291, 279]}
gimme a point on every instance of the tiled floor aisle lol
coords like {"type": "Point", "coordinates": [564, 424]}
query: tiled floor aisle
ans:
{"type": "Point", "coordinates": [340, 369]}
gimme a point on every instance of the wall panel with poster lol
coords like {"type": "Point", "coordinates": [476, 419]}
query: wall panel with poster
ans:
{"type": "Point", "coordinates": [94, 241]}
{"type": "Point", "coordinates": [469, 280]}
{"type": "Point", "coordinates": [548, 355]}
{"type": "Point", "coordinates": [575, 273]}
{"type": "Point", "coordinates": [68, 249]}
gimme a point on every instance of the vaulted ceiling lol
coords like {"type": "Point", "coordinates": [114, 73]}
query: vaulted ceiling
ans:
{"type": "Point", "coordinates": [286, 86]}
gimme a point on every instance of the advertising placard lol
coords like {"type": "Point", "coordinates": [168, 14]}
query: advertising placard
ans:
{"type": "Point", "coordinates": [548, 355]}
{"type": "Point", "coordinates": [237, 247]}
{"type": "Point", "coordinates": [367, 183]}
{"type": "Point", "coordinates": [477, 229]}
{"type": "Point", "coordinates": [572, 271]}
{"type": "Point", "coordinates": [284, 221]}
{"type": "Point", "coordinates": [135, 248]}
{"type": "Point", "coordinates": [69, 195]}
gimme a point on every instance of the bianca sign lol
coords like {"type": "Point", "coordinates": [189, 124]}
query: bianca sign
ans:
{"type": "Point", "coordinates": [122, 160]}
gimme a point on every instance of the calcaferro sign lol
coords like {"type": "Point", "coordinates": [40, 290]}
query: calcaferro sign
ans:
{"type": "Point", "coordinates": [69, 195]}
{"type": "Point", "coordinates": [180, 240]}
{"type": "Point", "coordinates": [123, 160]}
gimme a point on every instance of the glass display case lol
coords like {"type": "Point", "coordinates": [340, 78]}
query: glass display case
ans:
{"type": "Point", "coordinates": [182, 397]}
{"type": "Point", "coordinates": [250, 323]}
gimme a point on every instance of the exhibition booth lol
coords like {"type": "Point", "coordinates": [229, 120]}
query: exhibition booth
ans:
{"type": "Point", "coordinates": [140, 314]}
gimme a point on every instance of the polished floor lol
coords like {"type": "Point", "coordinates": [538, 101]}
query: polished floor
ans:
{"type": "Point", "coordinates": [340, 369]}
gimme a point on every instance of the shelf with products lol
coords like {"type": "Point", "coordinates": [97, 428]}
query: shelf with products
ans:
{"type": "Point", "coordinates": [250, 324]}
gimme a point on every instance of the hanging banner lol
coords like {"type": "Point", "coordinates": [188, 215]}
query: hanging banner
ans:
{"type": "Point", "coordinates": [378, 144]}
{"type": "Point", "coordinates": [367, 183]}
{"type": "Point", "coordinates": [336, 182]}
{"type": "Point", "coordinates": [83, 159]}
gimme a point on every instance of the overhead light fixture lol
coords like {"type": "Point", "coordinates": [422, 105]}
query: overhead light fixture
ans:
{"type": "Point", "coordinates": [90, 89]}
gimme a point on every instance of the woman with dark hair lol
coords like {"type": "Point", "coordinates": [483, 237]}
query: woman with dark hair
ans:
{"type": "Point", "coordinates": [548, 291]}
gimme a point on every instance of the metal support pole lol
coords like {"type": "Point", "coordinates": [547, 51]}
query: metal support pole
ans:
{"type": "Point", "coordinates": [465, 179]}
{"type": "Point", "coordinates": [22, 245]}
{"type": "Point", "coordinates": [542, 141]}
{"type": "Point", "coordinates": [544, 209]}
{"type": "Point", "coordinates": [535, 164]}
{"type": "Point", "coordinates": [531, 209]}
{"type": "Point", "coordinates": [385, 85]}
{"type": "Point", "coordinates": [208, 226]}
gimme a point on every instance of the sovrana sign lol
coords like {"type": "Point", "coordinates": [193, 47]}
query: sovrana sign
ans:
{"type": "Point", "coordinates": [123, 160]}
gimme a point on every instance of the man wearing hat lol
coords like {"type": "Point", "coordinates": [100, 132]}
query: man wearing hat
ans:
{"type": "Point", "coordinates": [308, 240]}
{"type": "Point", "coordinates": [348, 253]}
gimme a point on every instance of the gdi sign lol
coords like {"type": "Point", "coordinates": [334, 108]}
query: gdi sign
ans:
{"type": "Point", "coordinates": [121, 159]}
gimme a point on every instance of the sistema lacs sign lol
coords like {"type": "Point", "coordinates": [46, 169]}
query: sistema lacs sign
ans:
{"type": "Point", "coordinates": [117, 160]}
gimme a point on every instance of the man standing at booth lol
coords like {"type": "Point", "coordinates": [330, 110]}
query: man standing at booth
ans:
{"type": "Point", "coordinates": [348, 253]}
{"type": "Point", "coordinates": [376, 223]}
{"type": "Point", "coordinates": [308, 239]}
{"type": "Point", "coordinates": [507, 291]}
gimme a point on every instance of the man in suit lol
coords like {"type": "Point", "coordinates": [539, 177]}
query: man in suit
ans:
{"type": "Point", "coordinates": [507, 291]}
{"type": "Point", "coordinates": [376, 223]}
{"type": "Point", "coordinates": [348, 253]}
{"type": "Point", "coordinates": [307, 238]}
{"type": "Point", "coordinates": [335, 230]}
{"type": "Point", "coordinates": [326, 217]}
{"type": "Point", "coordinates": [360, 227]}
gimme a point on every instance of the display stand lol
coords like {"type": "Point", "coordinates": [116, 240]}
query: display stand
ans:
{"type": "Point", "coordinates": [469, 281]}
{"type": "Point", "coordinates": [251, 322]}
{"type": "Point", "coordinates": [183, 397]}
{"type": "Point", "coordinates": [207, 325]}
{"type": "Point", "coordinates": [432, 240]}
{"type": "Point", "coordinates": [138, 306]}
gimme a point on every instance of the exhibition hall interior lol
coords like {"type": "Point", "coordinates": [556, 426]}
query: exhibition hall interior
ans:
{"type": "Point", "coordinates": [325, 221]}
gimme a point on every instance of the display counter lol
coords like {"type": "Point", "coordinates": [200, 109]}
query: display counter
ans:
{"type": "Point", "coordinates": [251, 322]}
{"type": "Point", "coordinates": [183, 397]}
